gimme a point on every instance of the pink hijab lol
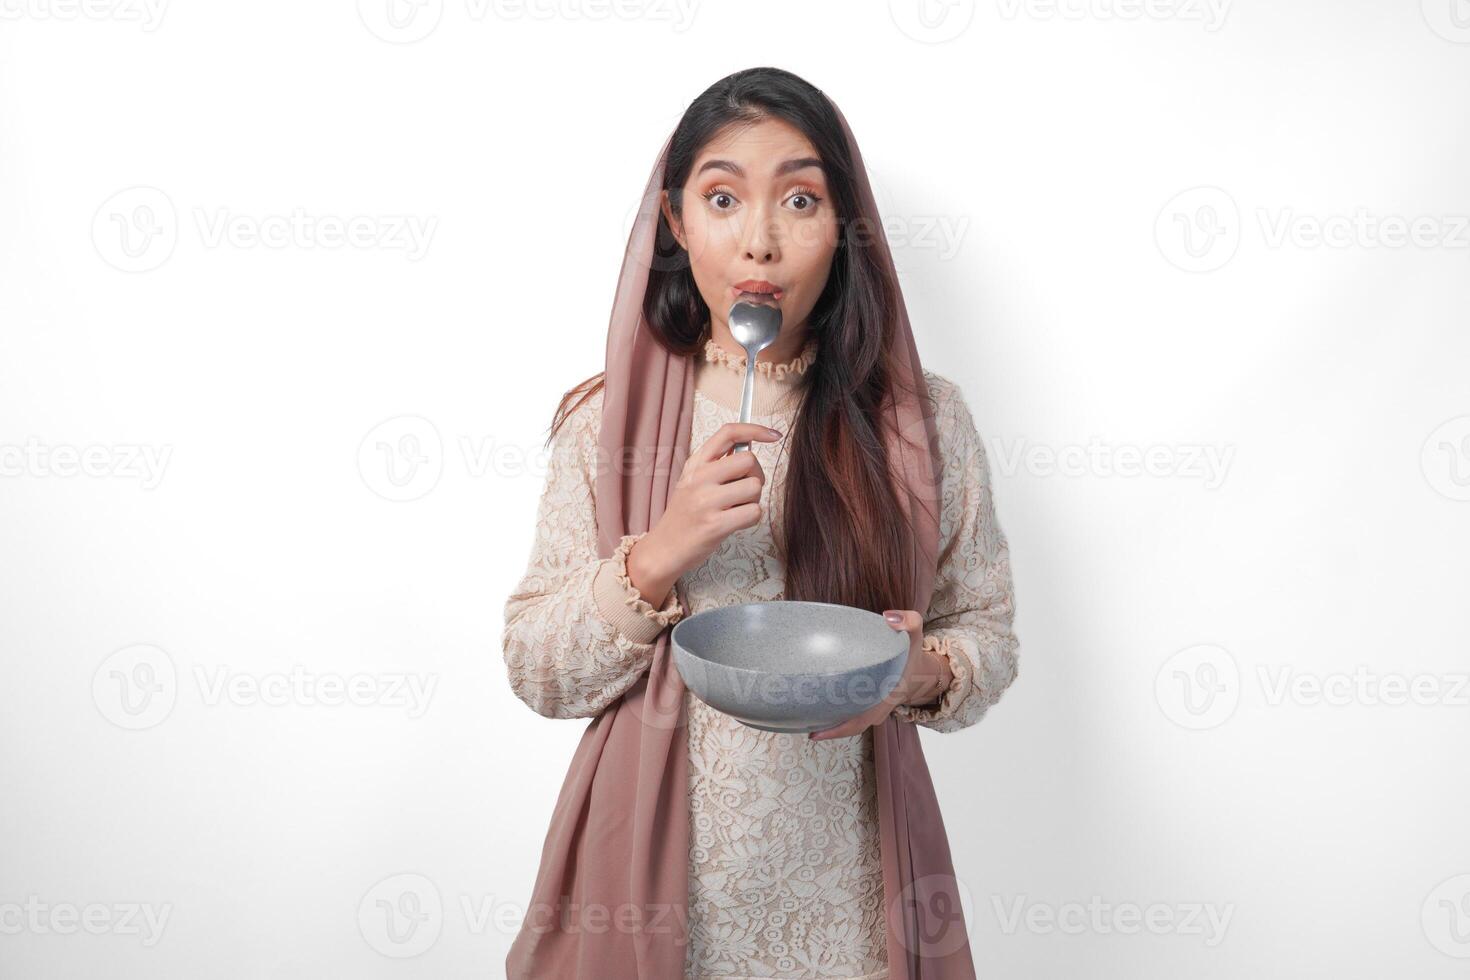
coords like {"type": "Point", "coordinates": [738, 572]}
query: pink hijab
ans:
{"type": "Point", "coordinates": [610, 900]}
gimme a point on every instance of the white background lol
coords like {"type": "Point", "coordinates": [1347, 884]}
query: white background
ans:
{"type": "Point", "coordinates": [1105, 217]}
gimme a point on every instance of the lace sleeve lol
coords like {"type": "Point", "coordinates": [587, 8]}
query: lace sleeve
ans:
{"type": "Point", "coordinates": [578, 634]}
{"type": "Point", "coordinates": [970, 613]}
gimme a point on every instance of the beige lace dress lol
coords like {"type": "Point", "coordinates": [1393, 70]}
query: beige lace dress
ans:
{"type": "Point", "coordinates": [784, 874]}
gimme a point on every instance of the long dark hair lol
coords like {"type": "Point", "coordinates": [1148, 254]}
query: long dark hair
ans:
{"type": "Point", "coordinates": [844, 539]}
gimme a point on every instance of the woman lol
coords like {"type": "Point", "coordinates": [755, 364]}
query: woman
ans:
{"type": "Point", "coordinates": [683, 842]}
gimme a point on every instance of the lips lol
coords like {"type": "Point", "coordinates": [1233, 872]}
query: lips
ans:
{"type": "Point", "coordinates": [758, 288]}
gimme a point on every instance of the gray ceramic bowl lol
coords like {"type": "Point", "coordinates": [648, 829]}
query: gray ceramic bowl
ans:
{"type": "Point", "coordinates": [789, 666]}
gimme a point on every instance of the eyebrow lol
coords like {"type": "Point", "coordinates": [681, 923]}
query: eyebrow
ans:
{"type": "Point", "coordinates": [800, 163]}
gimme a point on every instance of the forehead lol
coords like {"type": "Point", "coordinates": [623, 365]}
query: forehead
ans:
{"type": "Point", "coordinates": [758, 148]}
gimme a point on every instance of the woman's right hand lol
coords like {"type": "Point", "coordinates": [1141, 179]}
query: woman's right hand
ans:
{"type": "Point", "coordinates": [718, 492]}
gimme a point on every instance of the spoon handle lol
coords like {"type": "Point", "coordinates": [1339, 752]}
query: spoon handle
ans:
{"type": "Point", "coordinates": [747, 398]}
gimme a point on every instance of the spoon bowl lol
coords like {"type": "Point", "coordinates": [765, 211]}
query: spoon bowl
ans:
{"type": "Point", "coordinates": [755, 326]}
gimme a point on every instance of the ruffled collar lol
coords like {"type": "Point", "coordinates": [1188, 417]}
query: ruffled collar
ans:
{"type": "Point", "coordinates": [720, 376]}
{"type": "Point", "coordinates": [780, 372]}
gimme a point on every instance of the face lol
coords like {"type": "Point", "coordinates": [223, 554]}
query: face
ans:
{"type": "Point", "coordinates": [756, 211]}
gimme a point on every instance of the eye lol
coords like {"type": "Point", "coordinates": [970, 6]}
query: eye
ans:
{"type": "Point", "coordinates": [808, 195]}
{"type": "Point", "coordinates": [719, 192]}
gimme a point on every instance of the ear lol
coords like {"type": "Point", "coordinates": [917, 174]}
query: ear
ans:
{"type": "Point", "coordinates": [668, 210]}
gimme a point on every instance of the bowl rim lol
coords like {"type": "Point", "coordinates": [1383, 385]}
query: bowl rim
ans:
{"type": "Point", "coordinates": [680, 648]}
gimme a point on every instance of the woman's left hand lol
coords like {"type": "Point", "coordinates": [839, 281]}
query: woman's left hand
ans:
{"type": "Point", "coordinates": [924, 678]}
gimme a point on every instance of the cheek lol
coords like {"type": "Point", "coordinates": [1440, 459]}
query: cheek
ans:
{"type": "Point", "coordinates": [705, 263]}
{"type": "Point", "coordinates": [813, 248]}
{"type": "Point", "coordinates": [813, 236]}
{"type": "Point", "coordinates": [711, 248]}
{"type": "Point", "coordinates": [708, 241]}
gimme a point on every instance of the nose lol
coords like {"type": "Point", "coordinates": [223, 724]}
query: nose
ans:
{"type": "Point", "coordinates": [762, 237]}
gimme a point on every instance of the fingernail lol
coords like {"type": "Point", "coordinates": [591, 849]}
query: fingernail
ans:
{"type": "Point", "coordinates": [893, 617]}
{"type": "Point", "coordinates": [774, 432]}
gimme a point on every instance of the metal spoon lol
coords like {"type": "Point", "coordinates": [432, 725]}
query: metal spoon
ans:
{"type": "Point", "coordinates": [755, 326]}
